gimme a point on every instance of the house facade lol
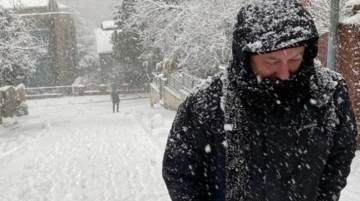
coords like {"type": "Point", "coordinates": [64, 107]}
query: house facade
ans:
{"type": "Point", "coordinates": [108, 64]}
{"type": "Point", "coordinates": [54, 25]}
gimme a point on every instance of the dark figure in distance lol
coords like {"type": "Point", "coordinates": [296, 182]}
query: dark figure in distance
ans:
{"type": "Point", "coordinates": [115, 98]}
{"type": "Point", "coordinates": [274, 126]}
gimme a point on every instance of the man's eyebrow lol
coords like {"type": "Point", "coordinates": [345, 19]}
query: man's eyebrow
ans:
{"type": "Point", "coordinates": [271, 57]}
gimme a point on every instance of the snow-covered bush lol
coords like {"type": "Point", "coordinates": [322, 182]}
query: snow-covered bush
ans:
{"type": "Point", "coordinates": [197, 33]}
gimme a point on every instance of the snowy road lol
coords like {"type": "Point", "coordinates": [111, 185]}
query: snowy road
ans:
{"type": "Point", "coordinates": [76, 149]}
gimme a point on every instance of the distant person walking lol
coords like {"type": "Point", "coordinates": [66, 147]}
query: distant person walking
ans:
{"type": "Point", "coordinates": [115, 97]}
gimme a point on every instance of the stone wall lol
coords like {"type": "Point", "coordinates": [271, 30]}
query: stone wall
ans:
{"type": "Point", "coordinates": [154, 95]}
{"type": "Point", "coordinates": [172, 99]}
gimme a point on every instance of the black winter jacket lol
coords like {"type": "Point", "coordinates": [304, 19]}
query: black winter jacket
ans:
{"type": "Point", "coordinates": [237, 139]}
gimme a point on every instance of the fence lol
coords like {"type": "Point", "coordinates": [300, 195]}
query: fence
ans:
{"type": "Point", "coordinates": [176, 82]}
{"type": "Point", "coordinates": [78, 90]}
{"type": "Point", "coordinates": [48, 92]}
{"type": "Point", "coordinates": [182, 81]}
{"type": "Point", "coordinates": [59, 91]}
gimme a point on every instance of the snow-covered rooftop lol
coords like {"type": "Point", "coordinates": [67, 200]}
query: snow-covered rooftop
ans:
{"type": "Point", "coordinates": [65, 8]}
{"type": "Point", "coordinates": [103, 40]}
{"type": "Point", "coordinates": [108, 25]}
{"type": "Point", "coordinates": [24, 3]}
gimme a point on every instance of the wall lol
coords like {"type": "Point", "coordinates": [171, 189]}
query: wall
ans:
{"type": "Point", "coordinates": [154, 95]}
{"type": "Point", "coordinates": [172, 99]}
{"type": "Point", "coordinates": [57, 29]}
{"type": "Point", "coordinates": [348, 61]}
{"type": "Point", "coordinates": [65, 48]}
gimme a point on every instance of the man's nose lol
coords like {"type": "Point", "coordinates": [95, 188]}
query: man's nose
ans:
{"type": "Point", "coordinates": [283, 72]}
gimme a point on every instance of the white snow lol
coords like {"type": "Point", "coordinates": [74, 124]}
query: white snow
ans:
{"type": "Point", "coordinates": [103, 40]}
{"type": "Point", "coordinates": [352, 20]}
{"type": "Point", "coordinates": [352, 2]}
{"type": "Point", "coordinates": [108, 25]}
{"type": "Point", "coordinates": [355, 17]}
{"type": "Point", "coordinates": [75, 148]}
{"type": "Point", "coordinates": [24, 3]}
{"type": "Point", "coordinates": [5, 88]}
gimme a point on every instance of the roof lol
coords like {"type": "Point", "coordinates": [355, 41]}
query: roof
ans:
{"type": "Point", "coordinates": [65, 8]}
{"type": "Point", "coordinates": [24, 3]}
{"type": "Point", "coordinates": [103, 40]}
{"type": "Point", "coordinates": [108, 25]}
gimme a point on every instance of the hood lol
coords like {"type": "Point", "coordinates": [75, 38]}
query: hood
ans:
{"type": "Point", "coordinates": [265, 26]}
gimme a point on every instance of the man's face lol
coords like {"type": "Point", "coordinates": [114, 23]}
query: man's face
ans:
{"type": "Point", "coordinates": [279, 64]}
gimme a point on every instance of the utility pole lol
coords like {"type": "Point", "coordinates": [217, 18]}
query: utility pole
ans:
{"type": "Point", "coordinates": [333, 34]}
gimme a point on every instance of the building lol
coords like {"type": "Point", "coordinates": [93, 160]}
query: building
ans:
{"type": "Point", "coordinates": [55, 26]}
{"type": "Point", "coordinates": [347, 56]}
{"type": "Point", "coordinates": [105, 49]}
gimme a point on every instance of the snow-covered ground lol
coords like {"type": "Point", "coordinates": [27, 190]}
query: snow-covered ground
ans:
{"type": "Point", "coordinates": [76, 149]}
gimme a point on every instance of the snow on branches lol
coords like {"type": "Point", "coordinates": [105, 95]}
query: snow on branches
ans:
{"type": "Point", "coordinates": [320, 10]}
{"type": "Point", "coordinates": [197, 33]}
{"type": "Point", "coordinates": [19, 50]}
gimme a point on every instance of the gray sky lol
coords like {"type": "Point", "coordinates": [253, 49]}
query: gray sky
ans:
{"type": "Point", "coordinates": [95, 11]}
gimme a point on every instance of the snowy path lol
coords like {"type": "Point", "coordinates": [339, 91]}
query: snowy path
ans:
{"type": "Point", "coordinates": [76, 149]}
{"type": "Point", "coordinates": [82, 151]}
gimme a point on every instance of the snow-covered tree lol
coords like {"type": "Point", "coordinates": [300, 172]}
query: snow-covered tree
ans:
{"type": "Point", "coordinates": [128, 47]}
{"type": "Point", "coordinates": [196, 33]}
{"type": "Point", "coordinates": [19, 50]}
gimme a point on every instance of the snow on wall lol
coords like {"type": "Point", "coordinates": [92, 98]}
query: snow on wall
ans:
{"type": "Point", "coordinates": [352, 2]}
{"type": "Point", "coordinates": [354, 19]}
{"type": "Point", "coordinates": [5, 88]}
{"type": "Point", "coordinates": [24, 3]}
{"type": "Point", "coordinates": [103, 40]}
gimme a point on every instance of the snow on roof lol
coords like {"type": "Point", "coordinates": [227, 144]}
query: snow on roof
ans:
{"type": "Point", "coordinates": [24, 3]}
{"type": "Point", "coordinates": [103, 40]}
{"type": "Point", "coordinates": [65, 8]}
{"type": "Point", "coordinates": [108, 25]}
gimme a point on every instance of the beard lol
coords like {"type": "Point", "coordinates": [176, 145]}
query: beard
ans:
{"type": "Point", "coordinates": [278, 94]}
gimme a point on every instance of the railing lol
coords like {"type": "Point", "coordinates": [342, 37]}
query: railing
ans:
{"type": "Point", "coordinates": [176, 82]}
{"type": "Point", "coordinates": [183, 81]}
{"type": "Point", "coordinates": [58, 91]}
{"type": "Point", "coordinates": [76, 90]}
{"type": "Point", "coordinates": [48, 92]}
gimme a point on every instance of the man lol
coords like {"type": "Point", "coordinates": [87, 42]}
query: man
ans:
{"type": "Point", "coordinates": [274, 127]}
{"type": "Point", "coordinates": [115, 99]}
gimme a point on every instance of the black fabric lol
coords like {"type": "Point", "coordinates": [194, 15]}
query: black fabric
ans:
{"type": "Point", "coordinates": [304, 153]}
{"type": "Point", "coordinates": [236, 139]}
